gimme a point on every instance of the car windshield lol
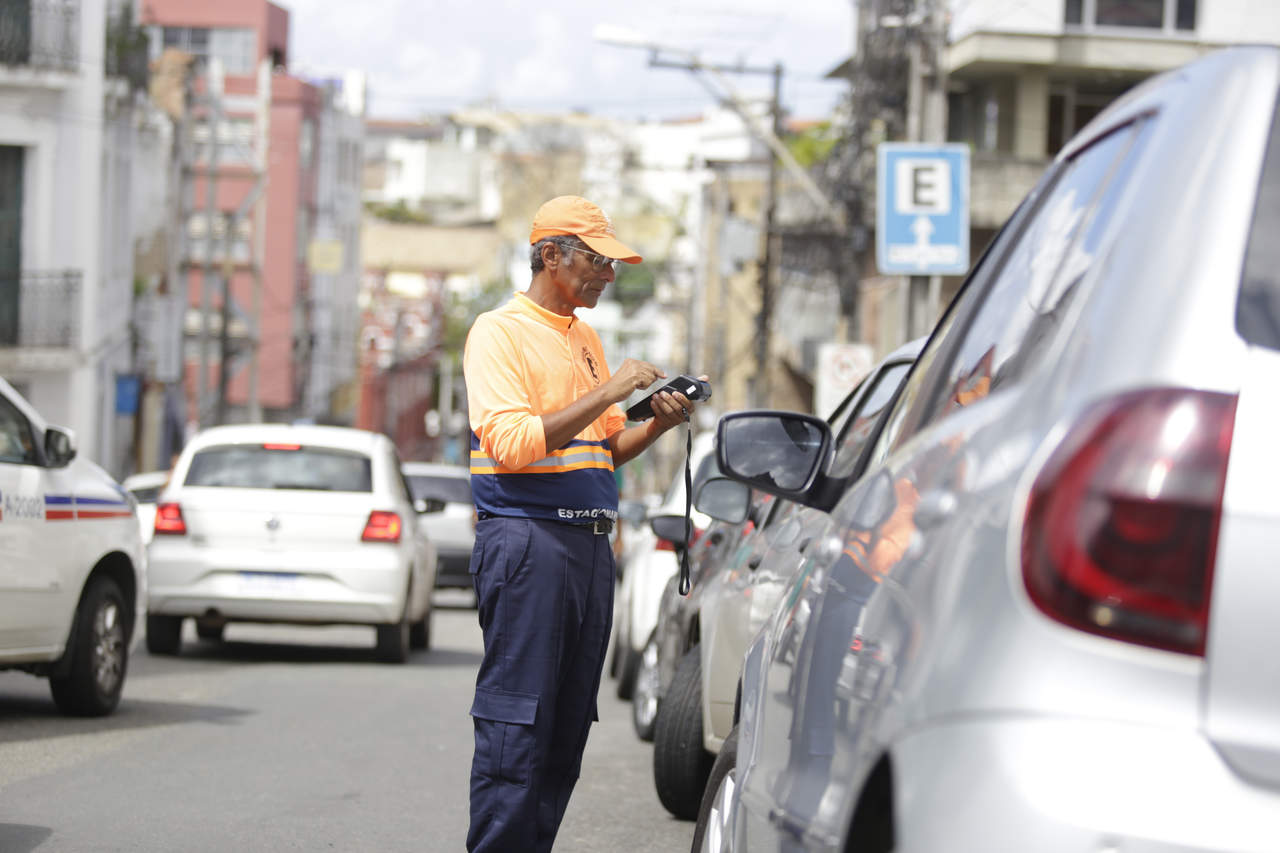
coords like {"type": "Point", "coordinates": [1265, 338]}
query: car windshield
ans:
{"type": "Point", "coordinates": [449, 489]}
{"type": "Point", "coordinates": [283, 467]}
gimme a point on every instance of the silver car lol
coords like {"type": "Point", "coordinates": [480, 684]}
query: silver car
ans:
{"type": "Point", "coordinates": [1042, 617]}
{"type": "Point", "coordinates": [451, 523]}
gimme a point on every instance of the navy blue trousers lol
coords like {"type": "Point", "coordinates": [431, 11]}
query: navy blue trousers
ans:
{"type": "Point", "coordinates": [545, 599]}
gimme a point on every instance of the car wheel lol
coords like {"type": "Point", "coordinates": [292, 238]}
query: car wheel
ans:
{"type": "Point", "coordinates": [211, 632]}
{"type": "Point", "coordinates": [99, 654]}
{"type": "Point", "coordinates": [164, 634]}
{"type": "Point", "coordinates": [714, 833]}
{"type": "Point", "coordinates": [420, 632]}
{"type": "Point", "coordinates": [393, 641]}
{"type": "Point", "coordinates": [681, 764]}
{"type": "Point", "coordinates": [644, 699]}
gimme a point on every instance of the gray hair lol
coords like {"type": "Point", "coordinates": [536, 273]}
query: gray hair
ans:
{"type": "Point", "coordinates": [566, 242]}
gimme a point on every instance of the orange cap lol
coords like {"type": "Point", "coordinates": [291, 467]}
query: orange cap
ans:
{"type": "Point", "coordinates": [571, 214]}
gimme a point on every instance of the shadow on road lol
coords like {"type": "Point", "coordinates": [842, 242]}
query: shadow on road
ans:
{"type": "Point", "coordinates": [31, 717]}
{"type": "Point", "coordinates": [21, 837]}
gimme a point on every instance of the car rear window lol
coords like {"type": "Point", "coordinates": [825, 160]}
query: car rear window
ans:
{"type": "Point", "coordinates": [1258, 308]}
{"type": "Point", "coordinates": [449, 489]}
{"type": "Point", "coordinates": [281, 467]}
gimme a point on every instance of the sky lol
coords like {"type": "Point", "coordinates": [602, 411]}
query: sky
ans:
{"type": "Point", "coordinates": [433, 56]}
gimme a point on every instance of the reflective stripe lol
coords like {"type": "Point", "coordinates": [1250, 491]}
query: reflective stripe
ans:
{"type": "Point", "coordinates": [573, 458]}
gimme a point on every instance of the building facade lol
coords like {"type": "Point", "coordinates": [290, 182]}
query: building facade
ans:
{"type": "Point", "coordinates": [68, 125]}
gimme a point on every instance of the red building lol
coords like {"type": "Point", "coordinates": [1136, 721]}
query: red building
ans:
{"type": "Point", "coordinates": [240, 34]}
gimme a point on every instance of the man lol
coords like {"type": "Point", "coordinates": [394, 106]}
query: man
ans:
{"type": "Point", "coordinates": [546, 435]}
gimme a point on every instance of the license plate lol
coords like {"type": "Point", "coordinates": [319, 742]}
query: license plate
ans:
{"type": "Point", "coordinates": [268, 581]}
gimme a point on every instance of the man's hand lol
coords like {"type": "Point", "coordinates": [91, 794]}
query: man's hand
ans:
{"type": "Point", "coordinates": [670, 408]}
{"type": "Point", "coordinates": [633, 375]}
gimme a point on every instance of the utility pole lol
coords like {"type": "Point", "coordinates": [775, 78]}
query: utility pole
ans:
{"type": "Point", "coordinates": [213, 102]}
{"type": "Point", "coordinates": [764, 318]}
{"type": "Point", "coordinates": [926, 122]}
{"type": "Point", "coordinates": [263, 126]}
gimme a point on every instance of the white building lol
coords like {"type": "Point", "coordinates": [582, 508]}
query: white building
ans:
{"type": "Point", "coordinates": [66, 241]}
{"type": "Point", "coordinates": [1024, 77]}
{"type": "Point", "coordinates": [335, 260]}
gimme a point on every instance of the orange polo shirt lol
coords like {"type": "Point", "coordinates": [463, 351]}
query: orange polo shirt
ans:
{"type": "Point", "coordinates": [522, 361]}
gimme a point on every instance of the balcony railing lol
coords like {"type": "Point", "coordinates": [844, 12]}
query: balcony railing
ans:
{"type": "Point", "coordinates": [40, 309]}
{"type": "Point", "coordinates": [40, 34]}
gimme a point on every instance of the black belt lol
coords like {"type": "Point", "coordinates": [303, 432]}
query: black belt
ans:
{"type": "Point", "coordinates": [598, 526]}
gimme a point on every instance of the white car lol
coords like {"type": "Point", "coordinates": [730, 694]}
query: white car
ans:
{"type": "Point", "coordinates": [308, 525]}
{"type": "Point", "coordinates": [73, 570]}
{"type": "Point", "coordinates": [451, 519]}
{"type": "Point", "coordinates": [146, 488]}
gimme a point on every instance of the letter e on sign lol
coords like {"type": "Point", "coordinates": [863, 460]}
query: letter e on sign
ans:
{"type": "Point", "coordinates": [922, 186]}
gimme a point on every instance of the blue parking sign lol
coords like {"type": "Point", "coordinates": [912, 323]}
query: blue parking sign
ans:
{"type": "Point", "coordinates": [922, 208]}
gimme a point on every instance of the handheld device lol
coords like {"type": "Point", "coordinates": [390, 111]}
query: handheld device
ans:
{"type": "Point", "coordinates": [694, 389]}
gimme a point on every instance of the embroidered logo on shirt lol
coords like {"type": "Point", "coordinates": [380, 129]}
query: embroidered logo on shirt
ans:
{"type": "Point", "coordinates": [591, 364]}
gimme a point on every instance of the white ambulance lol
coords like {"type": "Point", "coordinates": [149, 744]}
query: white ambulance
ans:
{"type": "Point", "coordinates": [72, 564]}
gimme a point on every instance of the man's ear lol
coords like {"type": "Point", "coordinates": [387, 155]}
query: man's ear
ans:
{"type": "Point", "coordinates": [551, 255]}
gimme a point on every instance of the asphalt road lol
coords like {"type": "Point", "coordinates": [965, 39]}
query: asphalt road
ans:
{"type": "Point", "coordinates": [292, 739]}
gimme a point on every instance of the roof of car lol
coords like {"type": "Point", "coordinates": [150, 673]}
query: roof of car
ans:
{"type": "Point", "coordinates": [146, 479]}
{"type": "Point", "coordinates": [343, 438]}
{"type": "Point", "coordinates": [437, 468]}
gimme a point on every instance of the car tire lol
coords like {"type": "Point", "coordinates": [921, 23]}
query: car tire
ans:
{"type": "Point", "coordinates": [164, 634]}
{"type": "Point", "coordinates": [644, 697]}
{"type": "Point", "coordinates": [420, 632]}
{"type": "Point", "coordinates": [681, 764]}
{"type": "Point", "coordinates": [714, 832]}
{"type": "Point", "coordinates": [98, 654]}
{"type": "Point", "coordinates": [212, 633]}
{"type": "Point", "coordinates": [628, 664]}
{"type": "Point", "coordinates": [393, 641]}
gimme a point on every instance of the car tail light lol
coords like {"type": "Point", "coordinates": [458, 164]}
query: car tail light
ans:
{"type": "Point", "coordinates": [169, 519]}
{"type": "Point", "coordinates": [1122, 522]}
{"type": "Point", "coordinates": [382, 526]}
{"type": "Point", "coordinates": [664, 545]}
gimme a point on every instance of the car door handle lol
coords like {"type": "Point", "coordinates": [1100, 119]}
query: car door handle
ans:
{"type": "Point", "coordinates": [934, 508]}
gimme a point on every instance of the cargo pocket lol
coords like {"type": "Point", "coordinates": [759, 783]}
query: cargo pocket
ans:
{"type": "Point", "coordinates": [504, 733]}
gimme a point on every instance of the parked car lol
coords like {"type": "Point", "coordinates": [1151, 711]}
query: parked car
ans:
{"type": "Point", "coordinates": [1036, 615]}
{"type": "Point", "coordinates": [651, 560]}
{"type": "Point", "coordinates": [145, 488]}
{"type": "Point", "coordinates": [700, 640]}
{"type": "Point", "coordinates": [453, 528]}
{"type": "Point", "coordinates": [73, 571]}
{"type": "Point", "coordinates": [300, 524]}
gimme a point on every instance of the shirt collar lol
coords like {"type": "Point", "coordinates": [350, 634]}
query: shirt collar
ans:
{"type": "Point", "coordinates": [550, 318]}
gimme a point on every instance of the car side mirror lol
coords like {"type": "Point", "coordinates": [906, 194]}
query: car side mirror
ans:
{"type": "Point", "coordinates": [426, 505]}
{"type": "Point", "coordinates": [781, 453]}
{"type": "Point", "coordinates": [59, 447]}
{"type": "Point", "coordinates": [724, 500]}
{"type": "Point", "coordinates": [673, 528]}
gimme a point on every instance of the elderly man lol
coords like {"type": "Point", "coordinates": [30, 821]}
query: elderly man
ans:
{"type": "Point", "coordinates": [547, 434]}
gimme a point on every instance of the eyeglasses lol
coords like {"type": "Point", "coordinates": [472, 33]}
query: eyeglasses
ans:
{"type": "Point", "coordinates": [598, 261]}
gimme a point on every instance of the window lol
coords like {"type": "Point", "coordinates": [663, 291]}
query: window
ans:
{"type": "Point", "coordinates": [857, 430]}
{"type": "Point", "coordinates": [1258, 307]}
{"type": "Point", "coordinates": [1167, 15]}
{"type": "Point", "coordinates": [235, 47]}
{"type": "Point", "coordinates": [287, 467]}
{"type": "Point", "coordinates": [448, 489]}
{"type": "Point", "coordinates": [17, 442]}
{"type": "Point", "coordinates": [1013, 306]}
